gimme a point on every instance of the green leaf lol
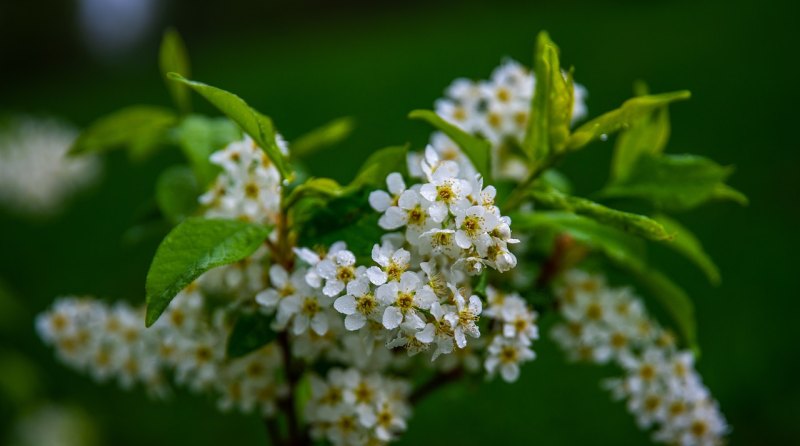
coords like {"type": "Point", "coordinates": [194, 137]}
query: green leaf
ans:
{"type": "Point", "coordinates": [199, 137]}
{"type": "Point", "coordinates": [258, 126]}
{"type": "Point", "coordinates": [192, 248]}
{"type": "Point", "coordinates": [322, 188]}
{"type": "Point", "coordinates": [379, 165]}
{"type": "Point", "coordinates": [348, 218]}
{"type": "Point", "coordinates": [139, 129]}
{"type": "Point", "coordinates": [176, 193]}
{"type": "Point", "coordinates": [672, 182]}
{"type": "Point", "coordinates": [635, 224]}
{"type": "Point", "coordinates": [173, 58]}
{"type": "Point", "coordinates": [551, 105]}
{"type": "Point", "coordinates": [476, 149]}
{"type": "Point", "coordinates": [674, 300]}
{"type": "Point", "coordinates": [556, 180]}
{"type": "Point", "coordinates": [328, 135]}
{"type": "Point", "coordinates": [622, 248]}
{"type": "Point", "coordinates": [623, 117]}
{"type": "Point", "coordinates": [723, 192]}
{"type": "Point", "coordinates": [251, 331]}
{"type": "Point", "coordinates": [646, 135]}
{"type": "Point", "coordinates": [688, 245]}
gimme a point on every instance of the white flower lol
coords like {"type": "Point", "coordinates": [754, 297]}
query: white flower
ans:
{"type": "Point", "coordinates": [505, 356]}
{"type": "Point", "coordinates": [306, 309]}
{"type": "Point", "coordinates": [338, 269]}
{"type": "Point", "coordinates": [36, 175]}
{"type": "Point", "coordinates": [411, 211]}
{"type": "Point", "coordinates": [446, 193]}
{"type": "Point", "coordinates": [473, 225]}
{"type": "Point", "coordinates": [393, 263]}
{"type": "Point", "coordinates": [380, 200]}
{"type": "Point", "coordinates": [359, 304]}
{"type": "Point", "coordinates": [403, 299]}
{"type": "Point", "coordinates": [464, 318]}
{"type": "Point", "coordinates": [440, 331]}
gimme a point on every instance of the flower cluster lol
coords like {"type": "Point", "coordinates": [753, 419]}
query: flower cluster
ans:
{"type": "Point", "coordinates": [353, 408]}
{"type": "Point", "coordinates": [496, 109]}
{"type": "Point", "coordinates": [661, 386]}
{"type": "Point", "coordinates": [36, 176]}
{"type": "Point", "coordinates": [511, 345]}
{"type": "Point", "coordinates": [248, 188]}
{"type": "Point", "coordinates": [111, 343]}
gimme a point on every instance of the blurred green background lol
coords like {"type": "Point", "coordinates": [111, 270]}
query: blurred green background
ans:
{"type": "Point", "coordinates": [306, 62]}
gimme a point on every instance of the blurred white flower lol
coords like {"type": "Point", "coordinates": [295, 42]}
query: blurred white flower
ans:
{"type": "Point", "coordinates": [36, 176]}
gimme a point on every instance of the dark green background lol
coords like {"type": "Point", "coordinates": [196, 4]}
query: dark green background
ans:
{"type": "Point", "coordinates": [305, 63]}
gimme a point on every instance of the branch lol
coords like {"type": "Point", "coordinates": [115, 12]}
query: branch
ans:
{"type": "Point", "coordinates": [439, 380]}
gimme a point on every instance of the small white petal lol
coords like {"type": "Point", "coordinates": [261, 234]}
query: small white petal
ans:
{"type": "Point", "coordinates": [392, 318]}
{"type": "Point", "coordinates": [380, 200]}
{"type": "Point", "coordinates": [354, 321]}
{"type": "Point", "coordinates": [376, 275]}
{"type": "Point", "coordinates": [426, 335]}
{"type": "Point", "coordinates": [395, 183]}
{"type": "Point", "coordinates": [345, 304]}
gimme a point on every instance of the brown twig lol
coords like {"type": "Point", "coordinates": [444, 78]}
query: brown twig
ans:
{"type": "Point", "coordinates": [297, 437]}
{"type": "Point", "coordinates": [273, 432]}
{"type": "Point", "coordinates": [438, 381]}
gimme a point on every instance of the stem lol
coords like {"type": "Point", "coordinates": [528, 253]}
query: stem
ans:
{"type": "Point", "coordinates": [435, 383]}
{"type": "Point", "coordinates": [554, 264]}
{"type": "Point", "coordinates": [273, 432]}
{"type": "Point", "coordinates": [297, 437]}
{"type": "Point", "coordinates": [282, 254]}
{"type": "Point", "coordinates": [521, 191]}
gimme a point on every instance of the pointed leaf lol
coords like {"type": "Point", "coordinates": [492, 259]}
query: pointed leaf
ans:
{"type": "Point", "coordinates": [173, 58]}
{"type": "Point", "coordinates": [477, 150]}
{"type": "Point", "coordinates": [199, 137]}
{"type": "Point", "coordinates": [250, 332]}
{"type": "Point", "coordinates": [635, 224]}
{"type": "Point", "coordinates": [139, 129]}
{"type": "Point", "coordinates": [176, 193]}
{"type": "Point", "coordinates": [622, 248]}
{"type": "Point", "coordinates": [379, 165]}
{"type": "Point", "coordinates": [623, 117]}
{"type": "Point", "coordinates": [258, 126]}
{"type": "Point", "coordinates": [551, 105]}
{"type": "Point", "coordinates": [687, 244]}
{"type": "Point", "coordinates": [320, 138]}
{"type": "Point", "coordinates": [674, 300]}
{"type": "Point", "coordinates": [192, 248]}
{"type": "Point", "coordinates": [672, 182]}
{"type": "Point", "coordinates": [647, 135]}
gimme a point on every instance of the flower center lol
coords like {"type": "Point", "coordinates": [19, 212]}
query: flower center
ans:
{"type": "Point", "coordinates": [310, 306]}
{"type": "Point", "coordinates": [445, 192]}
{"type": "Point", "coordinates": [395, 270]}
{"type": "Point", "coordinates": [405, 301]}
{"type": "Point", "coordinates": [647, 372]}
{"type": "Point", "coordinates": [699, 428]}
{"type": "Point", "coordinates": [472, 225]}
{"type": "Point", "coordinates": [508, 355]}
{"type": "Point", "coordinates": [416, 216]}
{"type": "Point", "coordinates": [366, 304]}
{"type": "Point", "coordinates": [345, 273]}
{"type": "Point", "coordinates": [594, 312]}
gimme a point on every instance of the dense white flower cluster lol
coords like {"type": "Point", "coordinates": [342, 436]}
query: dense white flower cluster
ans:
{"type": "Point", "coordinates": [36, 176]}
{"type": "Point", "coordinates": [661, 386]}
{"type": "Point", "coordinates": [248, 188]}
{"type": "Point", "coordinates": [112, 343]}
{"type": "Point", "coordinates": [353, 408]}
{"type": "Point", "coordinates": [496, 109]}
